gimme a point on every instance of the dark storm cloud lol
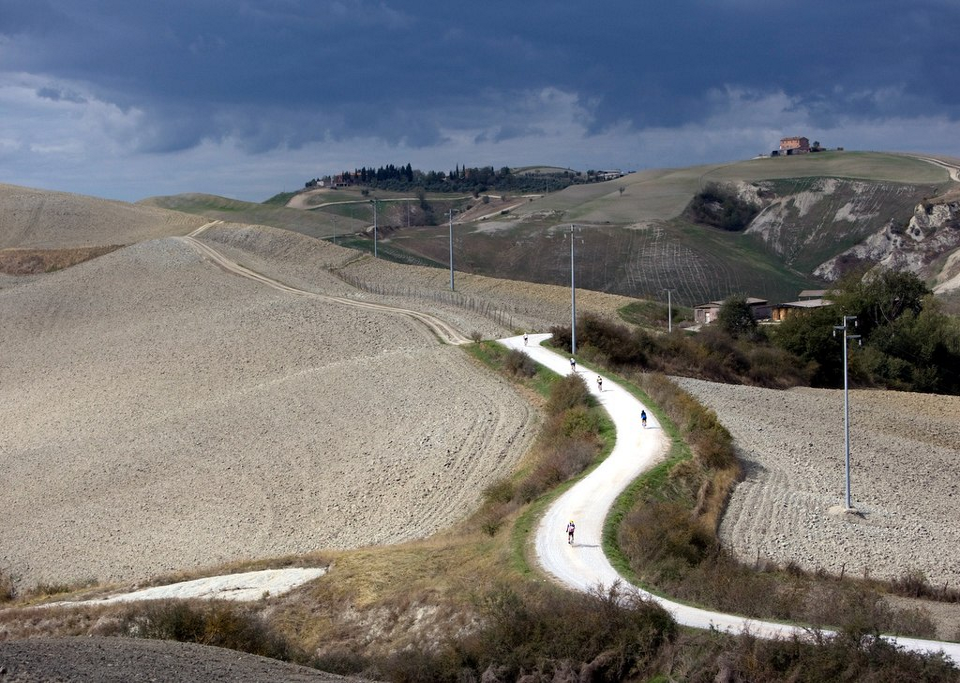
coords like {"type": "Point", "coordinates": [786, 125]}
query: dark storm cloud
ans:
{"type": "Point", "coordinates": [286, 74]}
{"type": "Point", "coordinates": [371, 66]}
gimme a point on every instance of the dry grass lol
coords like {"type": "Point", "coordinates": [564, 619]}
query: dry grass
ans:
{"type": "Point", "coordinates": [35, 261]}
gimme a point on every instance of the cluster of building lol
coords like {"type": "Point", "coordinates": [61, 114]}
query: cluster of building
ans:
{"type": "Point", "coordinates": [704, 314]}
{"type": "Point", "coordinates": [797, 145]}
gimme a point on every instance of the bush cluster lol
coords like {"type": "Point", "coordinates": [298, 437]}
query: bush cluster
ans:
{"type": "Point", "coordinates": [908, 343]}
{"type": "Point", "coordinates": [721, 207]}
{"type": "Point", "coordinates": [537, 632]}
{"type": "Point", "coordinates": [713, 354]}
{"type": "Point", "coordinates": [519, 364]}
{"type": "Point", "coordinates": [216, 623]}
{"type": "Point", "coordinates": [569, 441]}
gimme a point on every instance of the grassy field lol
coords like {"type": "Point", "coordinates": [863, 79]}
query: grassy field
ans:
{"type": "Point", "coordinates": [313, 224]}
{"type": "Point", "coordinates": [862, 165]}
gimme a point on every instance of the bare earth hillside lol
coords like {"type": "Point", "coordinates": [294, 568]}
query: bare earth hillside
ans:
{"type": "Point", "coordinates": [491, 306]}
{"type": "Point", "coordinates": [123, 660]}
{"type": "Point", "coordinates": [39, 219]}
{"type": "Point", "coordinates": [905, 479]}
{"type": "Point", "coordinates": [158, 413]}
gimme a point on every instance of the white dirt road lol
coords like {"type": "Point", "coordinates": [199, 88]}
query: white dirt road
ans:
{"type": "Point", "coordinates": [583, 566]}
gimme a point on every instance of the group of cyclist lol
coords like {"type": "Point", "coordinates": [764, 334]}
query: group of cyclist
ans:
{"type": "Point", "coordinates": [571, 527]}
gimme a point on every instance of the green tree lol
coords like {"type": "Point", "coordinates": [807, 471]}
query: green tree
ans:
{"type": "Point", "coordinates": [908, 343]}
{"type": "Point", "coordinates": [736, 318]}
{"type": "Point", "coordinates": [879, 298]}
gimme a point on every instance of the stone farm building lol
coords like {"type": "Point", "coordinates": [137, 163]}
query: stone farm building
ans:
{"type": "Point", "coordinates": [795, 145]}
{"type": "Point", "coordinates": [809, 300]}
{"type": "Point", "coordinates": [704, 314]}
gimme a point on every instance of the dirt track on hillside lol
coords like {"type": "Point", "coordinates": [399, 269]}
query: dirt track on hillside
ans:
{"type": "Point", "coordinates": [161, 414]}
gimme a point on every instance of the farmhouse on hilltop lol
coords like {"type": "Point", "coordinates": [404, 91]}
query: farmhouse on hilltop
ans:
{"type": "Point", "coordinates": [794, 145]}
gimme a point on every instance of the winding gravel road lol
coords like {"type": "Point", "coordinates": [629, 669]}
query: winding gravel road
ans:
{"type": "Point", "coordinates": [583, 565]}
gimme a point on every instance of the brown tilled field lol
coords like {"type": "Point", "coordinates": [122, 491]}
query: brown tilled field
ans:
{"type": "Point", "coordinates": [905, 479]}
{"type": "Point", "coordinates": [39, 219]}
{"type": "Point", "coordinates": [160, 414]}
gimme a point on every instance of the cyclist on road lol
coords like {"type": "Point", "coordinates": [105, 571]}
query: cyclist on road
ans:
{"type": "Point", "coordinates": [599, 383]}
{"type": "Point", "coordinates": [643, 418]}
{"type": "Point", "coordinates": [524, 338]}
{"type": "Point", "coordinates": [573, 364]}
{"type": "Point", "coordinates": [571, 527]}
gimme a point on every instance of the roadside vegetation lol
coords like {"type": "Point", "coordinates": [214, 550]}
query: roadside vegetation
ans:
{"type": "Point", "coordinates": [716, 354]}
{"type": "Point", "coordinates": [906, 341]}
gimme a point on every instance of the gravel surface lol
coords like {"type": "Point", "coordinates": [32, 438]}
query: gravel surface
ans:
{"type": "Point", "coordinates": [905, 479]}
{"type": "Point", "coordinates": [125, 660]}
{"type": "Point", "coordinates": [159, 414]}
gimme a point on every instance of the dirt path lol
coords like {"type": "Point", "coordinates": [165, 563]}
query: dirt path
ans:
{"type": "Point", "coordinates": [444, 331]}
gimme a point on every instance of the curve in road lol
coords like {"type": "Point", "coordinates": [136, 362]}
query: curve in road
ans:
{"type": "Point", "coordinates": [446, 332]}
{"type": "Point", "coordinates": [583, 566]}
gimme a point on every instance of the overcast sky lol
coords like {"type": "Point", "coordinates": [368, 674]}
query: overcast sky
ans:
{"type": "Point", "coordinates": [127, 99]}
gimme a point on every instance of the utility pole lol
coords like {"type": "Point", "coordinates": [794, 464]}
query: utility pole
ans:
{"type": "Point", "coordinates": [846, 399]}
{"type": "Point", "coordinates": [374, 228]}
{"type": "Point", "coordinates": [669, 311]}
{"type": "Point", "coordinates": [573, 297]}
{"type": "Point", "coordinates": [451, 250]}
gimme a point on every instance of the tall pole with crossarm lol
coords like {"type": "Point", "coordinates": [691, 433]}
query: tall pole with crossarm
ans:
{"type": "Point", "coordinates": [847, 319]}
{"type": "Point", "coordinates": [374, 227]}
{"type": "Point", "coordinates": [573, 298]}
{"type": "Point", "coordinates": [451, 250]}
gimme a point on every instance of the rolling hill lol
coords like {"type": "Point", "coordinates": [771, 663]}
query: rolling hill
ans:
{"type": "Point", "coordinates": [635, 238]}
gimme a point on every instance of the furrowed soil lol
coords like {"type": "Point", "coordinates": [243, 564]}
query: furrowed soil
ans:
{"type": "Point", "coordinates": [905, 479]}
{"type": "Point", "coordinates": [160, 414]}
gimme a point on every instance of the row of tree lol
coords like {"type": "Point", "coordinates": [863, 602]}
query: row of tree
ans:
{"type": "Point", "coordinates": [469, 180]}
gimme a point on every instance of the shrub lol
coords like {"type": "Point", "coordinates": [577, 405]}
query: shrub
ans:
{"type": "Point", "coordinates": [500, 491]}
{"type": "Point", "coordinates": [609, 634]}
{"type": "Point", "coordinates": [578, 423]}
{"type": "Point", "coordinates": [567, 392]}
{"type": "Point", "coordinates": [7, 591]}
{"type": "Point", "coordinates": [216, 623]}
{"type": "Point", "coordinates": [519, 364]}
